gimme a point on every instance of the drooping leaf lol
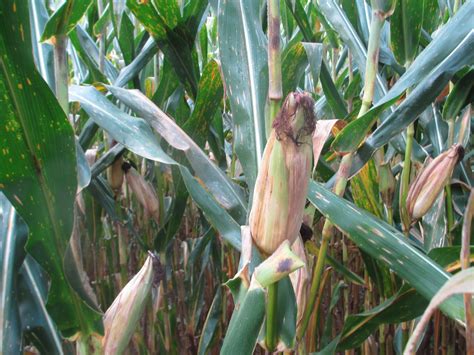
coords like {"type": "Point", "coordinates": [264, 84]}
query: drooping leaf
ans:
{"type": "Point", "coordinates": [125, 38]}
{"type": "Point", "coordinates": [83, 169]}
{"type": "Point", "coordinates": [215, 214]}
{"type": "Point", "coordinates": [333, 97]}
{"type": "Point", "coordinates": [348, 34]}
{"type": "Point", "coordinates": [338, 267]}
{"type": "Point", "coordinates": [23, 290]}
{"type": "Point", "coordinates": [365, 190]}
{"type": "Point", "coordinates": [85, 63]}
{"type": "Point", "coordinates": [104, 19]}
{"type": "Point", "coordinates": [37, 325]}
{"type": "Point", "coordinates": [314, 52]}
{"type": "Point", "coordinates": [298, 12]}
{"type": "Point", "coordinates": [346, 31]}
{"type": "Point", "coordinates": [168, 83]}
{"type": "Point", "coordinates": [210, 325]}
{"type": "Point", "coordinates": [435, 225]}
{"type": "Point", "coordinates": [224, 191]}
{"type": "Point", "coordinates": [132, 132]}
{"type": "Point", "coordinates": [13, 237]}
{"type": "Point", "coordinates": [91, 50]}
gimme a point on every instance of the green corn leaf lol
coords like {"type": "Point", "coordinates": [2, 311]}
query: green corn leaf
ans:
{"type": "Point", "coordinates": [39, 150]}
{"type": "Point", "coordinates": [459, 96]}
{"type": "Point", "coordinates": [294, 63]}
{"type": "Point", "coordinates": [418, 100]}
{"type": "Point", "coordinates": [214, 213]}
{"type": "Point", "coordinates": [354, 133]}
{"type": "Point", "coordinates": [43, 52]}
{"type": "Point", "coordinates": [447, 40]}
{"type": "Point", "coordinates": [208, 100]}
{"type": "Point", "coordinates": [174, 39]}
{"type": "Point", "coordinates": [405, 28]}
{"type": "Point", "coordinates": [386, 244]}
{"type": "Point", "coordinates": [133, 69]}
{"type": "Point", "coordinates": [243, 54]}
{"type": "Point", "coordinates": [405, 305]}
{"type": "Point", "coordinates": [314, 52]}
{"type": "Point", "coordinates": [134, 133]}
{"type": "Point", "coordinates": [65, 18]}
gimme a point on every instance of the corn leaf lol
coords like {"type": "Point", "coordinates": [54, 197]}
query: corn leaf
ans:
{"type": "Point", "coordinates": [131, 70]}
{"type": "Point", "coordinates": [39, 150]}
{"type": "Point", "coordinates": [132, 132]}
{"type": "Point", "coordinates": [65, 18]}
{"type": "Point", "coordinates": [43, 52]}
{"type": "Point", "coordinates": [243, 56]}
{"type": "Point", "coordinates": [218, 184]}
{"type": "Point", "coordinates": [447, 40]}
{"type": "Point", "coordinates": [23, 290]}
{"type": "Point", "coordinates": [405, 28]}
{"type": "Point", "coordinates": [173, 36]}
{"type": "Point", "coordinates": [208, 100]}
{"type": "Point", "coordinates": [419, 99]}
{"type": "Point", "coordinates": [386, 244]}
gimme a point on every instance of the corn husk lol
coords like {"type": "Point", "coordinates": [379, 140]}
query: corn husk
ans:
{"type": "Point", "coordinates": [282, 182]}
{"type": "Point", "coordinates": [299, 280]}
{"type": "Point", "coordinates": [431, 181]}
{"type": "Point", "coordinates": [115, 175]}
{"type": "Point", "coordinates": [123, 315]}
{"type": "Point", "coordinates": [386, 184]}
{"type": "Point", "coordinates": [144, 193]}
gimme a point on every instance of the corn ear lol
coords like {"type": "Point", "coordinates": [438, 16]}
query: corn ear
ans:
{"type": "Point", "coordinates": [386, 184]}
{"type": "Point", "coordinates": [123, 315]}
{"type": "Point", "coordinates": [115, 175]}
{"type": "Point", "coordinates": [143, 191]}
{"type": "Point", "coordinates": [282, 182]}
{"type": "Point", "coordinates": [431, 180]}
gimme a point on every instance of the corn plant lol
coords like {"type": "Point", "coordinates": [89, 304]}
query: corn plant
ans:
{"type": "Point", "coordinates": [236, 177]}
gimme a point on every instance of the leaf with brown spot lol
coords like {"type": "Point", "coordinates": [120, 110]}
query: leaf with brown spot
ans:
{"type": "Point", "coordinates": [42, 185]}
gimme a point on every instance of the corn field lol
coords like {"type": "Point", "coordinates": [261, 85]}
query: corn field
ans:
{"type": "Point", "coordinates": [236, 177]}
